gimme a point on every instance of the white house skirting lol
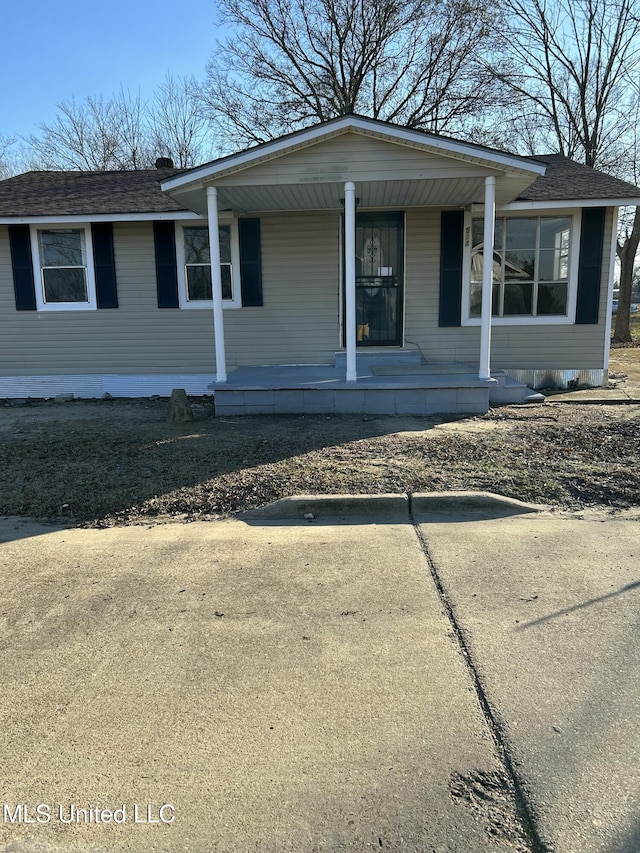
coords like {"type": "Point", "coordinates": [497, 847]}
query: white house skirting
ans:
{"type": "Point", "coordinates": [117, 385]}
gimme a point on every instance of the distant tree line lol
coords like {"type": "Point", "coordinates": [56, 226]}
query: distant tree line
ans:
{"type": "Point", "coordinates": [117, 132]}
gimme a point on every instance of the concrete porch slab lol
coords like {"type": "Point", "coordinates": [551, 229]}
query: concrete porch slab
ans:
{"type": "Point", "coordinates": [323, 376]}
{"type": "Point", "coordinates": [323, 389]}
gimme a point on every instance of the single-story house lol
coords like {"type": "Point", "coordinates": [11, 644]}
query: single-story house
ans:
{"type": "Point", "coordinates": [338, 268]}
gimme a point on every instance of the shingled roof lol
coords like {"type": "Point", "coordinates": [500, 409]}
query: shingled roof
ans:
{"type": "Point", "coordinates": [86, 193]}
{"type": "Point", "coordinates": [566, 179]}
{"type": "Point", "coordinates": [129, 192]}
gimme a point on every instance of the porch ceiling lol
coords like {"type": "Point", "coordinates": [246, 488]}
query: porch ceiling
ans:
{"type": "Point", "coordinates": [400, 194]}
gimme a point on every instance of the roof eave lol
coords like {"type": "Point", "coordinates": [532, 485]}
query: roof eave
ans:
{"type": "Point", "coordinates": [525, 204]}
{"type": "Point", "coordinates": [97, 217]}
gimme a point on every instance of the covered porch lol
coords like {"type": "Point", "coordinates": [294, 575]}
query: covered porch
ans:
{"type": "Point", "coordinates": [352, 168]}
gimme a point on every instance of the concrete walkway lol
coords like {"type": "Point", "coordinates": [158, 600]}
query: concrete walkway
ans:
{"type": "Point", "coordinates": [340, 683]}
{"type": "Point", "coordinates": [549, 609]}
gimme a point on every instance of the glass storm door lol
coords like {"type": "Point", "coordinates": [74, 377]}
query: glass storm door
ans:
{"type": "Point", "coordinates": [379, 279]}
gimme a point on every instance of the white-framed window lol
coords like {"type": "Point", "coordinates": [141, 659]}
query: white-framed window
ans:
{"type": "Point", "coordinates": [63, 268]}
{"type": "Point", "coordinates": [194, 264]}
{"type": "Point", "coordinates": [535, 268]}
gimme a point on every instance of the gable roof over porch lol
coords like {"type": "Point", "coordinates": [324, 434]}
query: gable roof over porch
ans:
{"type": "Point", "coordinates": [391, 166]}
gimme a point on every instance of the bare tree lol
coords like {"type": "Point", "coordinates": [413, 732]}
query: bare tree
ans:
{"type": "Point", "coordinates": [86, 135]}
{"type": "Point", "coordinates": [572, 67]}
{"type": "Point", "coordinates": [627, 249]}
{"type": "Point", "coordinates": [290, 63]}
{"type": "Point", "coordinates": [570, 63]}
{"type": "Point", "coordinates": [133, 130]}
{"type": "Point", "coordinates": [628, 233]}
{"type": "Point", "coordinates": [7, 144]}
{"type": "Point", "coordinates": [123, 131]}
{"type": "Point", "coordinates": [179, 128]}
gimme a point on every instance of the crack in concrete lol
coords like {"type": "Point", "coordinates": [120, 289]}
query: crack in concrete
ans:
{"type": "Point", "coordinates": [524, 807]}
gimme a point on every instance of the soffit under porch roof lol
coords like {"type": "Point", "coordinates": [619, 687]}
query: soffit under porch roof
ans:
{"type": "Point", "coordinates": [442, 192]}
{"type": "Point", "coordinates": [435, 192]}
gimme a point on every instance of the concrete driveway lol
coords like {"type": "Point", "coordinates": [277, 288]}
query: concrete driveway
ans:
{"type": "Point", "coordinates": [550, 610]}
{"type": "Point", "coordinates": [465, 683]}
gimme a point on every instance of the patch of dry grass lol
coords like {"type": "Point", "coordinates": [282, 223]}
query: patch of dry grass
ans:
{"type": "Point", "coordinates": [104, 463]}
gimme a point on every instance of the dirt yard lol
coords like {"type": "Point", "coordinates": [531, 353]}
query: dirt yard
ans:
{"type": "Point", "coordinates": [102, 463]}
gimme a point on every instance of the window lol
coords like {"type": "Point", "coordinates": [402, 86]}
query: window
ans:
{"type": "Point", "coordinates": [194, 265]}
{"type": "Point", "coordinates": [63, 260]}
{"type": "Point", "coordinates": [531, 267]}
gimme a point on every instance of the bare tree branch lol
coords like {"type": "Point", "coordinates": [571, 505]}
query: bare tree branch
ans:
{"type": "Point", "coordinates": [124, 132]}
{"type": "Point", "coordinates": [178, 128]}
{"type": "Point", "coordinates": [8, 166]}
{"type": "Point", "coordinates": [293, 62]}
{"type": "Point", "coordinates": [94, 134]}
{"type": "Point", "coordinates": [572, 61]}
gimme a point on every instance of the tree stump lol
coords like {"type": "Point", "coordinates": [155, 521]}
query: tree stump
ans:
{"type": "Point", "coordinates": [179, 407]}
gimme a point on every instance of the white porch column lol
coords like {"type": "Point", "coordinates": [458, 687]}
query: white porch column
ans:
{"type": "Point", "coordinates": [216, 284]}
{"type": "Point", "coordinates": [487, 276]}
{"type": "Point", "coordinates": [350, 277]}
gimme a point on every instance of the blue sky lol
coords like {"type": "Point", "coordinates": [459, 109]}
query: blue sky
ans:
{"type": "Point", "coordinates": [55, 49]}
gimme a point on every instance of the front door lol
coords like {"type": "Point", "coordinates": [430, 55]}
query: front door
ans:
{"type": "Point", "coordinates": [379, 279]}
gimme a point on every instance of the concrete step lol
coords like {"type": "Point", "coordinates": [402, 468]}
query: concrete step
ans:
{"type": "Point", "coordinates": [508, 390]}
{"type": "Point", "coordinates": [379, 358]}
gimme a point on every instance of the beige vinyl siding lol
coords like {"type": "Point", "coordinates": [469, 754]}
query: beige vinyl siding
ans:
{"type": "Point", "coordinates": [7, 296]}
{"type": "Point", "coordinates": [387, 173]}
{"type": "Point", "coordinates": [298, 323]}
{"type": "Point", "coordinates": [353, 157]}
{"type": "Point", "coordinates": [299, 320]}
{"type": "Point", "coordinates": [152, 340]}
{"type": "Point", "coordinates": [422, 294]}
{"type": "Point", "coordinates": [135, 338]}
